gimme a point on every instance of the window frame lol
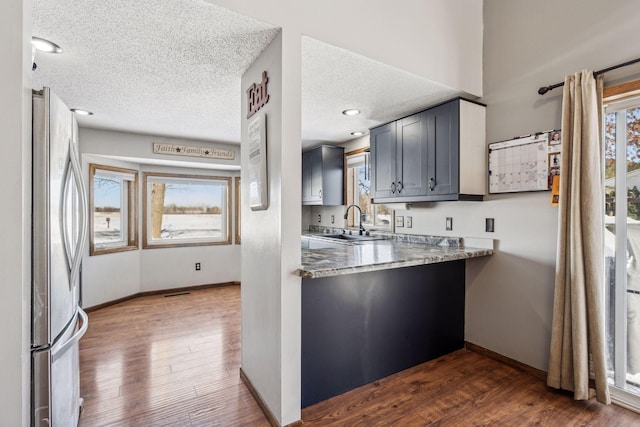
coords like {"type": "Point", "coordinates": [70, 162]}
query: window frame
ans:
{"type": "Point", "coordinates": [146, 213]}
{"type": "Point", "coordinates": [619, 95]}
{"type": "Point", "coordinates": [236, 214]}
{"type": "Point", "coordinates": [351, 220]}
{"type": "Point", "coordinates": [129, 204]}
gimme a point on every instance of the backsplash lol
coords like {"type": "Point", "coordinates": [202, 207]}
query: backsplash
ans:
{"type": "Point", "coordinates": [408, 238]}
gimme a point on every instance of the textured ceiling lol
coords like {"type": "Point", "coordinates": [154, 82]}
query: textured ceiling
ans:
{"type": "Point", "coordinates": [335, 79]}
{"type": "Point", "coordinates": [162, 67]}
{"type": "Point", "coordinates": [173, 69]}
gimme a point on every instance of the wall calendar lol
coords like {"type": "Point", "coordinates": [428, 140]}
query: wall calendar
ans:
{"type": "Point", "coordinates": [526, 163]}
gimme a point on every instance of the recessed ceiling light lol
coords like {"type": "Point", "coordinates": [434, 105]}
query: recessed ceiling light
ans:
{"type": "Point", "coordinates": [82, 112]}
{"type": "Point", "coordinates": [44, 45]}
{"type": "Point", "coordinates": [358, 133]}
{"type": "Point", "coordinates": [351, 112]}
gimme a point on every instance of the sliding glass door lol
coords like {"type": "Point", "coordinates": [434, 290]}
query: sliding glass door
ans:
{"type": "Point", "coordinates": [622, 246]}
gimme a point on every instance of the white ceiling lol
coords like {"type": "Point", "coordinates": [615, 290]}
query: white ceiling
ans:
{"type": "Point", "coordinates": [173, 69]}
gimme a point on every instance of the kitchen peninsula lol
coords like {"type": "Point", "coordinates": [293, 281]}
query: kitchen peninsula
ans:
{"type": "Point", "coordinates": [371, 308]}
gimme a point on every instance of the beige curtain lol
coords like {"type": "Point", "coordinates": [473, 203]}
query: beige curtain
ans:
{"type": "Point", "coordinates": [578, 344]}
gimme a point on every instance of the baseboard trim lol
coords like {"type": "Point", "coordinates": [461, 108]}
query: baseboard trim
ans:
{"type": "Point", "coordinates": [541, 375]}
{"type": "Point", "coordinates": [159, 292]}
{"type": "Point", "coordinates": [263, 406]}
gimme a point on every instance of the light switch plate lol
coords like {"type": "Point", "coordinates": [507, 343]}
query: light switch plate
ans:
{"type": "Point", "coordinates": [319, 218]}
{"type": "Point", "coordinates": [449, 223]}
{"type": "Point", "coordinates": [399, 221]}
{"type": "Point", "coordinates": [409, 222]}
{"type": "Point", "coordinates": [333, 219]}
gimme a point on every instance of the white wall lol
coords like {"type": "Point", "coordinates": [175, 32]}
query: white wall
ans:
{"type": "Point", "coordinates": [440, 40]}
{"type": "Point", "coordinates": [15, 246]}
{"type": "Point", "coordinates": [112, 276]}
{"type": "Point", "coordinates": [271, 246]}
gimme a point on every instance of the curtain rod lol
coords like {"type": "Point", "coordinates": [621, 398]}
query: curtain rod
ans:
{"type": "Point", "coordinates": [546, 89]}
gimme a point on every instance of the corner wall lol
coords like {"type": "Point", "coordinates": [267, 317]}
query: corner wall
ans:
{"type": "Point", "coordinates": [271, 291]}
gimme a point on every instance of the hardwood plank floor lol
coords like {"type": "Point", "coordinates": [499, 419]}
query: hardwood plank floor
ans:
{"type": "Point", "coordinates": [174, 361]}
{"type": "Point", "coordinates": [463, 388]}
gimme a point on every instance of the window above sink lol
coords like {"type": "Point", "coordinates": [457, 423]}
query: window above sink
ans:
{"type": "Point", "coordinates": [358, 192]}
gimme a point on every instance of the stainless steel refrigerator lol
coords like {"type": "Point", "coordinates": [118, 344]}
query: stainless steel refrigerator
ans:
{"type": "Point", "coordinates": [59, 227]}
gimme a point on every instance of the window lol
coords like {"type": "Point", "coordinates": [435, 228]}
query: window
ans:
{"type": "Point", "coordinates": [113, 206]}
{"type": "Point", "coordinates": [186, 210]}
{"type": "Point", "coordinates": [358, 183]}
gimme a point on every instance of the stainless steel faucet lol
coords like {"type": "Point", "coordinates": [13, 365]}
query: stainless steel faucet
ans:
{"type": "Point", "coordinates": [346, 215]}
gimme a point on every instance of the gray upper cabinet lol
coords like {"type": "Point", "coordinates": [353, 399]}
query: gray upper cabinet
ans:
{"type": "Point", "coordinates": [399, 158]}
{"type": "Point", "coordinates": [412, 156]}
{"type": "Point", "coordinates": [437, 154]}
{"type": "Point", "coordinates": [323, 176]}
{"type": "Point", "coordinates": [383, 155]}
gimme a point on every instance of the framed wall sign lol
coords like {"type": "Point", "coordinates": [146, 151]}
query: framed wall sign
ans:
{"type": "Point", "coordinates": [193, 151]}
{"type": "Point", "coordinates": [258, 182]}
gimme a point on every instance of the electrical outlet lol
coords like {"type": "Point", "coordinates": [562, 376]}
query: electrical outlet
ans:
{"type": "Point", "coordinates": [449, 223]}
{"type": "Point", "coordinates": [409, 222]}
{"type": "Point", "coordinates": [197, 266]}
{"type": "Point", "coordinates": [399, 221]}
{"type": "Point", "coordinates": [489, 225]}
{"type": "Point", "coordinates": [333, 219]}
{"type": "Point", "coordinates": [319, 218]}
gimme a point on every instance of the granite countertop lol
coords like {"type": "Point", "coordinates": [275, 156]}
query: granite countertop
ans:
{"type": "Point", "coordinates": [392, 252]}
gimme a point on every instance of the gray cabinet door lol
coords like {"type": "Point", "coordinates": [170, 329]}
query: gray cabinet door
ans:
{"type": "Point", "coordinates": [383, 160]}
{"type": "Point", "coordinates": [323, 176]}
{"type": "Point", "coordinates": [411, 157]}
{"type": "Point", "coordinates": [315, 175]}
{"type": "Point", "coordinates": [306, 178]}
{"type": "Point", "coordinates": [442, 135]}
{"type": "Point", "coordinates": [312, 176]}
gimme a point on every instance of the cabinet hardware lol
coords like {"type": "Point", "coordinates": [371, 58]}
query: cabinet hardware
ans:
{"type": "Point", "coordinates": [393, 187]}
{"type": "Point", "coordinates": [431, 184]}
{"type": "Point", "coordinates": [400, 187]}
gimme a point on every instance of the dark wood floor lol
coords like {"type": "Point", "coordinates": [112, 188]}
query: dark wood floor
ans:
{"type": "Point", "coordinates": [175, 361]}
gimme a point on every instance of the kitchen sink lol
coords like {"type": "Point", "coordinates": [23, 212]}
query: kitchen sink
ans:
{"type": "Point", "coordinates": [351, 237]}
{"type": "Point", "coordinates": [322, 241]}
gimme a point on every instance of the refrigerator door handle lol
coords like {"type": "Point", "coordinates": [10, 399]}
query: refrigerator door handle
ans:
{"type": "Point", "coordinates": [63, 214]}
{"type": "Point", "coordinates": [82, 235]}
{"type": "Point", "coordinates": [55, 355]}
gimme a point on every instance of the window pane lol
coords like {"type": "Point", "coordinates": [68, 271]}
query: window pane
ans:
{"type": "Point", "coordinates": [633, 245]}
{"type": "Point", "coordinates": [188, 209]}
{"type": "Point", "coordinates": [107, 202]}
{"type": "Point", "coordinates": [363, 191]}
